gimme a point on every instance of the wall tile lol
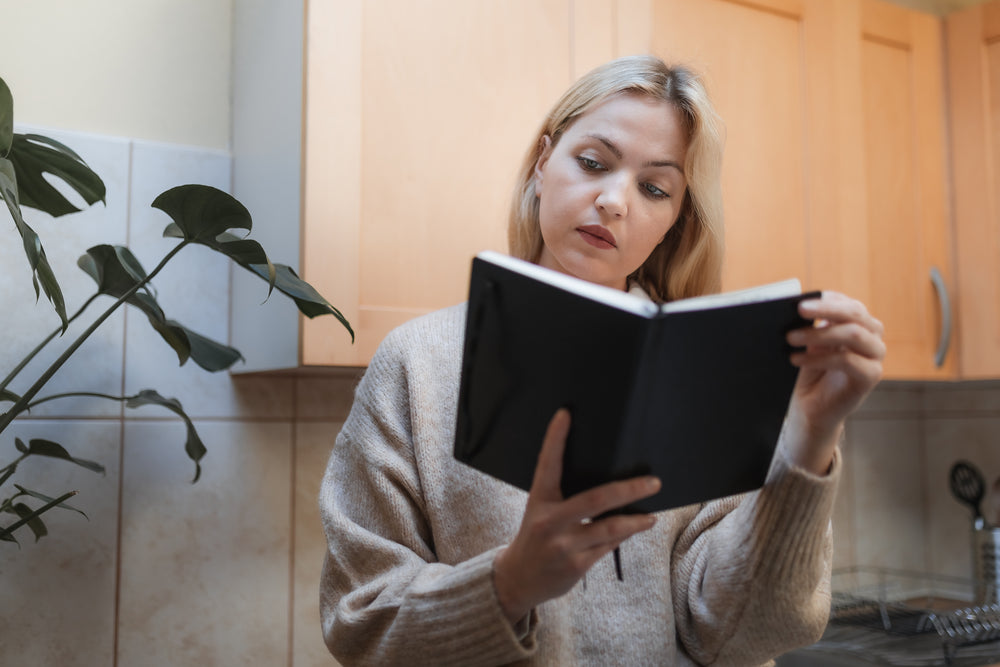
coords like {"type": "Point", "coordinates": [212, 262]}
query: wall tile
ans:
{"type": "Point", "coordinates": [97, 366]}
{"type": "Point", "coordinates": [313, 443]}
{"type": "Point", "coordinates": [892, 399]}
{"type": "Point", "coordinates": [193, 289]}
{"type": "Point", "coordinates": [962, 398]}
{"type": "Point", "coordinates": [205, 568]}
{"type": "Point", "coordinates": [326, 397]}
{"type": "Point", "coordinates": [844, 553]}
{"type": "Point", "coordinates": [949, 521]}
{"type": "Point", "coordinates": [58, 601]}
{"type": "Point", "coordinates": [887, 470]}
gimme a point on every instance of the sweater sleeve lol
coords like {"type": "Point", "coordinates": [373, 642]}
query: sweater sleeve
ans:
{"type": "Point", "coordinates": [384, 597]}
{"type": "Point", "coordinates": [751, 574]}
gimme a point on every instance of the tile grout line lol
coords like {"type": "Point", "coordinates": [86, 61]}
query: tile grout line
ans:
{"type": "Point", "coordinates": [121, 432]}
{"type": "Point", "coordinates": [291, 531]}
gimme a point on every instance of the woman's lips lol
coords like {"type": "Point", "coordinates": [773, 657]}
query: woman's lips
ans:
{"type": "Point", "coordinates": [597, 236]}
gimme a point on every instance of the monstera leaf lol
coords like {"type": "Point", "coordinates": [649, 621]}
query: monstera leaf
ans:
{"type": "Point", "coordinates": [23, 161]}
{"type": "Point", "coordinates": [41, 271]}
{"type": "Point", "coordinates": [116, 271]}
{"type": "Point", "coordinates": [203, 214]}
{"type": "Point", "coordinates": [193, 445]}
{"type": "Point", "coordinates": [33, 156]}
{"type": "Point", "coordinates": [6, 118]}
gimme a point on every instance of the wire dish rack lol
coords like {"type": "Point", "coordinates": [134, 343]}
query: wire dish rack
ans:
{"type": "Point", "coordinates": [909, 619]}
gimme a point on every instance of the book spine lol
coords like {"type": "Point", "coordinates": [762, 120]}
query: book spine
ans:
{"type": "Point", "coordinates": [628, 459]}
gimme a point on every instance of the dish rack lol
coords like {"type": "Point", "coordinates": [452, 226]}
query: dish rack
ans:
{"type": "Point", "coordinates": [909, 619]}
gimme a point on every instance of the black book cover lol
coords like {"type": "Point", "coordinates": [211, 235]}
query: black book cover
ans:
{"type": "Point", "coordinates": [696, 397]}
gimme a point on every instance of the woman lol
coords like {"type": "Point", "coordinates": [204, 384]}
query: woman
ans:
{"type": "Point", "coordinates": [431, 562]}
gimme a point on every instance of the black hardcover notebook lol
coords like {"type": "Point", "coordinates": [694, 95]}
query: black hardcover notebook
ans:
{"type": "Point", "coordinates": [694, 391]}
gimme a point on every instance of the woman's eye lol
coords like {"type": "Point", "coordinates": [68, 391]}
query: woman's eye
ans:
{"type": "Point", "coordinates": [589, 164]}
{"type": "Point", "coordinates": [654, 191]}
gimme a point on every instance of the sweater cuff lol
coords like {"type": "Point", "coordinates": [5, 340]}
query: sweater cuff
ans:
{"type": "Point", "coordinates": [794, 508]}
{"type": "Point", "coordinates": [475, 628]}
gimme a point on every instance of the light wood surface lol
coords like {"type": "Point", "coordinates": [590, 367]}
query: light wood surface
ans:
{"type": "Point", "coordinates": [905, 162]}
{"type": "Point", "coordinates": [416, 116]}
{"type": "Point", "coordinates": [752, 60]}
{"type": "Point", "coordinates": [973, 38]}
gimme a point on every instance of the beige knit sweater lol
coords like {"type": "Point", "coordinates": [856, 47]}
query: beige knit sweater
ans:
{"type": "Point", "coordinates": [412, 536]}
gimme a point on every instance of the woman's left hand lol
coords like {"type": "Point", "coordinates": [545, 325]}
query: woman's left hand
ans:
{"type": "Point", "coordinates": [840, 365]}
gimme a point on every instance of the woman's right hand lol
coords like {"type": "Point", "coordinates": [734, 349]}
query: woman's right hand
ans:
{"type": "Point", "coordinates": [558, 541]}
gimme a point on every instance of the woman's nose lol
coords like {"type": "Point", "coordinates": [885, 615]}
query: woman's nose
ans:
{"type": "Point", "coordinates": [613, 198]}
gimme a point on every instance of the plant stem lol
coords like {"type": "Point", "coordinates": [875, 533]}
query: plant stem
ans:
{"type": "Point", "coordinates": [7, 417]}
{"type": "Point", "coordinates": [48, 339]}
{"type": "Point", "coordinates": [68, 394]}
{"type": "Point", "coordinates": [42, 510]}
{"type": "Point", "coordinates": [11, 468]}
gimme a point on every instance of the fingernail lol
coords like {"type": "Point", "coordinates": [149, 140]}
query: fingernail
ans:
{"type": "Point", "coordinates": [653, 483]}
{"type": "Point", "coordinates": [810, 306]}
{"type": "Point", "coordinates": [796, 337]}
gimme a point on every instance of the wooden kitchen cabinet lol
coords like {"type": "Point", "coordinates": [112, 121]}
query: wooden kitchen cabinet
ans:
{"type": "Point", "coordinates": [835, 165]}
{"type": "Point", "coordinates": [393, 161]}
{"type": "Point", "coordinates": [376, 143]}
{"type": "Point", "coordinates": [907, 218]}
{"type": "Point", "coordinates": [973, 47]}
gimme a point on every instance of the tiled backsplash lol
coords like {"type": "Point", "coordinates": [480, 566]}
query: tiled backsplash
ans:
{"type": "Point", "coordinates": [225, 571]}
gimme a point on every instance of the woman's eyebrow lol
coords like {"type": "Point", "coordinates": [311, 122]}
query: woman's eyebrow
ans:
{"type": "Point", "coordinates": [618, 153]}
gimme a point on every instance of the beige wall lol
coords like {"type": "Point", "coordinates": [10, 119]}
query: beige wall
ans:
{"type": "Point", "coordinates": [145, 69]}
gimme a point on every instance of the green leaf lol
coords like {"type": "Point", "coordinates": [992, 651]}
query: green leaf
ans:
{"type": "Point", "coordinates": [6, 118]}
{"type": "Point", "coordinates": [34, 155]}
{"type": "Point", "coordinates": [46, 499]}
{"type": "Point", "coordinates": [207, 353]}
{"type": "Point", "coordinates": [202, 212]}
{"type": "Point", "coordinates": [205, 215]}
{"type": "Point", "coordinates": [116, 270]}
{"type": "Point", "coordinates": [39, 447]}
{"type": "Point", "coordinates": [40, 269]}
{"type": "Point", "coordinates": [310, 302]}
{"type": "Point", "coordinates": [7, 534]}
{"type": "Point", "coordinates": [193, 445]}
{"type": "Point", "coordinates": [36, 525]}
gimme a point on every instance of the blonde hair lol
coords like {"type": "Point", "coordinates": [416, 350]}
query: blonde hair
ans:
{"type": "Point", "coordinates": [689, 260]}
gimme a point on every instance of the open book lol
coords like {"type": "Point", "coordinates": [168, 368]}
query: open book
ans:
{"type": "Point", "coordinates": [693, 391]}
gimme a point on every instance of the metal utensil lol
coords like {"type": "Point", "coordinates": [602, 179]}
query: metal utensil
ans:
{"type": "Point", "coordinates": [991, 510]}
{"type": "Point", "coordinates": [968, 487]}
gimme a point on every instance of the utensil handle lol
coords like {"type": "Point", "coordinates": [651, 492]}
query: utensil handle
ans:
{"type": "Point", "coordinates": [945, 302]}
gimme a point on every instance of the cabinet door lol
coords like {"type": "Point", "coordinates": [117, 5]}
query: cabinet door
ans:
{"type": "Point", "coordinates": [973, 38]}
{"type": "Point", "coordinates": [905, 167]}
{"type": "Point", "coordinates": [752, 60]}
{"type": "Point", "coordinates": [417, 117]}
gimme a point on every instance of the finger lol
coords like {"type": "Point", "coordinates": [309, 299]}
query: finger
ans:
{"type": "Point", "coordinates": [548, 470]}
{"type": "Point", "coordinates": [841, 337]}
{"type": "Point", "coordinates": [611, 531]}
{"type": "Point", "coordinates": [833, 307]}
{"type": "Point", "coordinates": [611, 496]}
{"type": "Point", "coordinates": [858, 368]}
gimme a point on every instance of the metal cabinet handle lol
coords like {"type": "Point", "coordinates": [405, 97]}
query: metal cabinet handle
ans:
{"type": "Point", "coordinates": [945, 302]}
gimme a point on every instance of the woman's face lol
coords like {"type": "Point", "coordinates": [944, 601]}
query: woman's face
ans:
{"type": "Point", "coordinates": [611, 188]}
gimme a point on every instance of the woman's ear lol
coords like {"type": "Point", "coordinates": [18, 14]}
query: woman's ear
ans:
{"type": "Point", "coordinates": [545, 143]}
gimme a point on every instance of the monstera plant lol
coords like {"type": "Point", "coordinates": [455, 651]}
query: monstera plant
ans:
{"type": "Point", "coordinates": [201, 215]}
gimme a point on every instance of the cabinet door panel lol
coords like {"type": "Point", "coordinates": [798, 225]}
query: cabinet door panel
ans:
{"type": "Point", "coordinates": [973, 38]}
{"type": "Point", "coordinates": [752, 60]}
{"type": "Point", "coordinates": [418, 114]}
{"type": "Point", "coordinates": [905, 178]}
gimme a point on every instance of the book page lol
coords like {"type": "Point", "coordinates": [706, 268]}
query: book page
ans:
{"type": "Point", "coordinates": [777, 290]}
{"type": "Point", "coordinates": [606, 295]}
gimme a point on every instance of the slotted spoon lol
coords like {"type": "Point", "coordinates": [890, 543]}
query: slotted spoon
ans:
{"type": "Point", "coordinates": [968, 487]}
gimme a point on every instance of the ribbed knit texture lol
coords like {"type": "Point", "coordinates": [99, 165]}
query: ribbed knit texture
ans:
{"type": "Point", "coordinates": [412, 534]}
